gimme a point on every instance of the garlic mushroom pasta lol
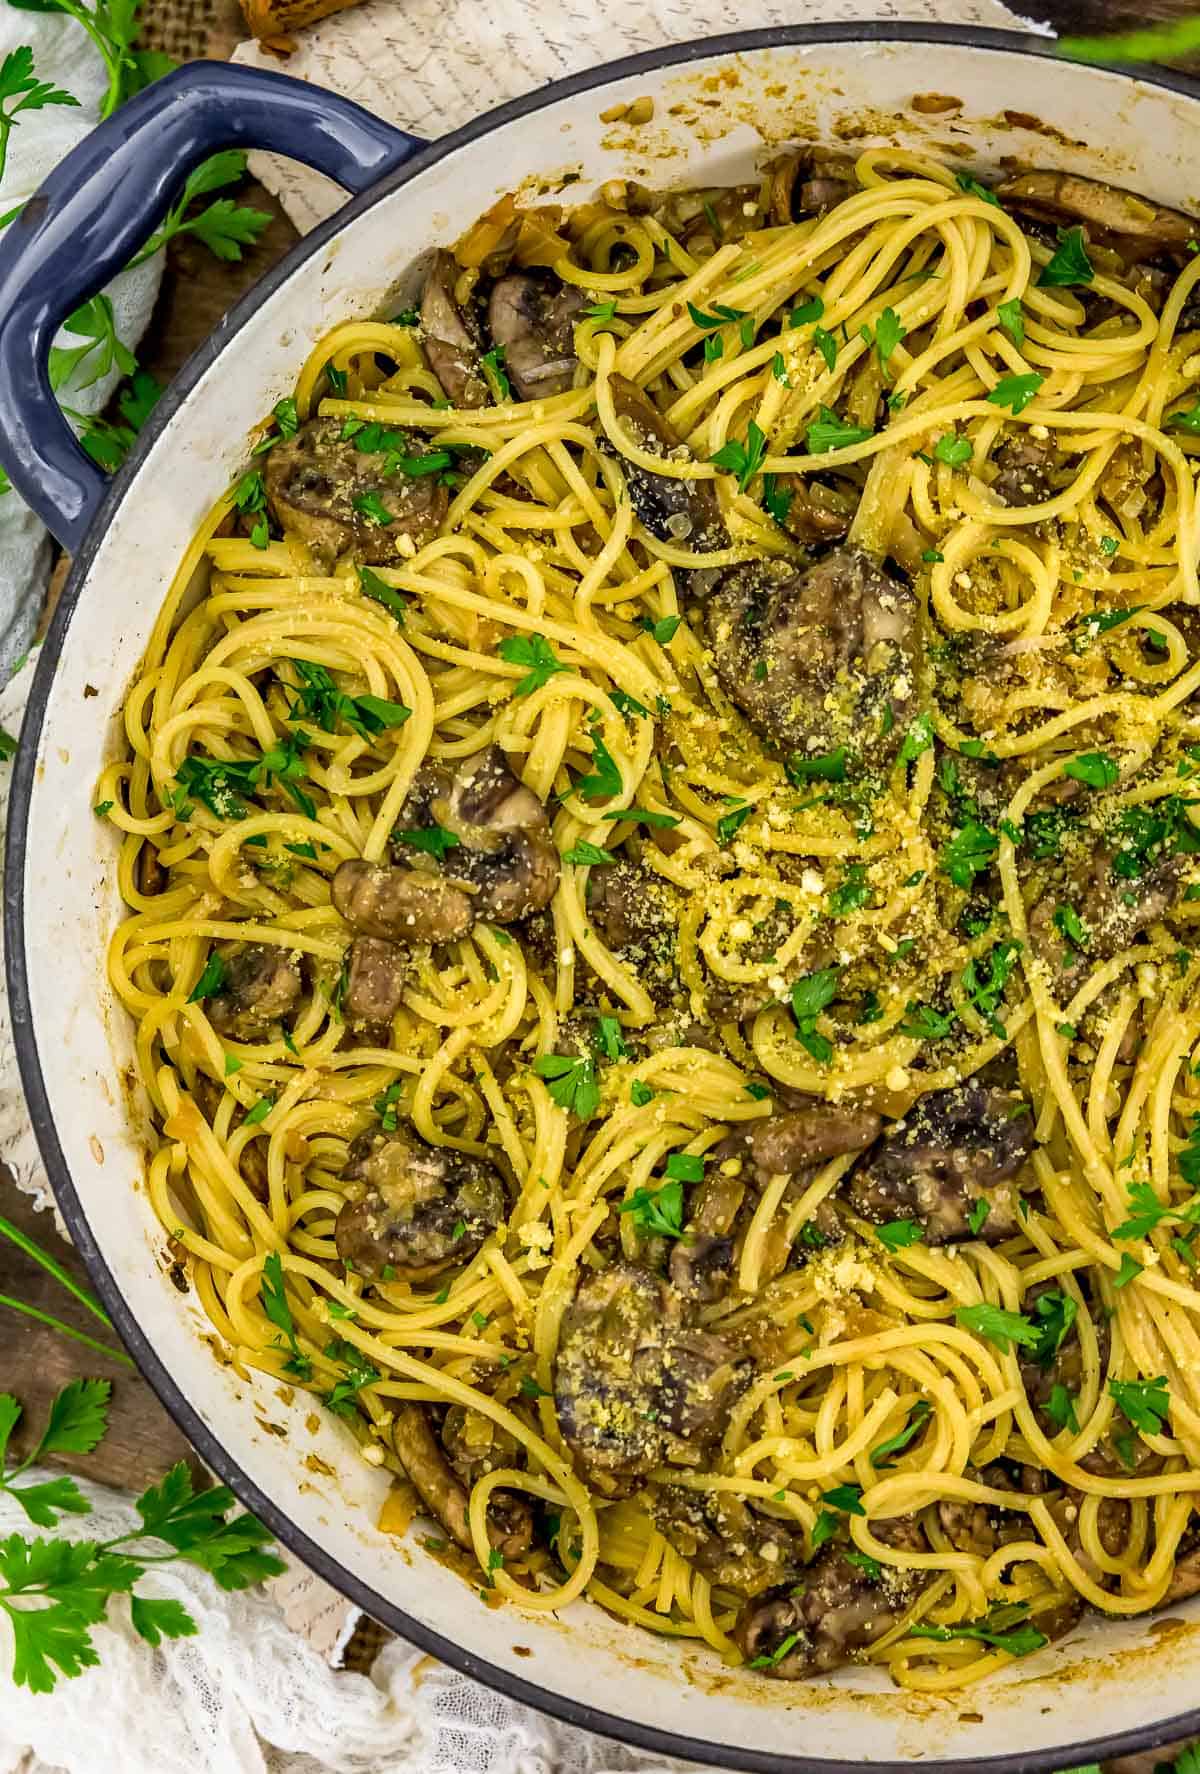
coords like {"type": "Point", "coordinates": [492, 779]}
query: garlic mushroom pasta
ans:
{"type": "Point", "coordinates": [661, 862]}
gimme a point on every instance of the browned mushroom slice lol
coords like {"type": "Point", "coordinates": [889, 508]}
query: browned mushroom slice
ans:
{"type": "Point", "coordinates": [335, 496]}
{"type": "Point", "coordinates": [837, 1610]}
{"type": "Point", "coordinates": [510, 1520]}
{"type": "Point", "coordinates": [725, 1539]}
{"type": "Point", "coordinates": [1185, 1577]}
{"type": "Point", "coordinates": [701, 1263]}
{"type": "Point", "coordinates": [956, 1149]}
{"type": "Point", "coordinates": [686, 512]}
{"type": "Point", "coordinates": [375, 974]}
{"type": "Point", "coordinates": [817, 512]}
{"type": "Point", "coordinates": [262, 983]}
{"type": "Point", "coordinates": [406, 905]}
{"type": "Point", "coordinates": [450, 335]}
{"type": "Point", "coordinates": [1092, 913]}
{"type": "Point", "coordinates": [1023, 466]}
{"type": "Point", "coordinates": [1065, 197]}
{"type": "Point", "coordinates": [637, 915]}
{"type": "Point", "coordinates": [631, 1379]}
{"type": "Point", "coordinates": [414, 1208]}
{"type": "Point", "coordinates": [809, 182]}
{"type": "Point", "coordinates": [532, 315]}
{"type": "Point", "coordinates": [505, 850]}
{"type": "Point", "coordinates": [820, 657]}
{"type": "Point", "coordinates": [785, 1144]}
{"type": "Point", "coordinates": [475, 1445]}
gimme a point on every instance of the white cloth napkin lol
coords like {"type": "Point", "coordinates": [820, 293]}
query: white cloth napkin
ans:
{"type": "Point", "coordinates": [63, 54]}
{"type": "Point", "coordinates": [249, 1695]}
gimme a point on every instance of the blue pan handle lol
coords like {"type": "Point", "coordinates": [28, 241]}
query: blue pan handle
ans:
{"type": "Point", "coordinates": [102, 203]}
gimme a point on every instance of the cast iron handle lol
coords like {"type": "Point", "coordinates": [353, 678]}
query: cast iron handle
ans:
{"type": "Point", "coordinates": [102, 203]}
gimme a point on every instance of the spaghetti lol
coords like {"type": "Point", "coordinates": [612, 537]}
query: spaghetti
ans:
{"type": "Point", "coordinates": [661, 867]}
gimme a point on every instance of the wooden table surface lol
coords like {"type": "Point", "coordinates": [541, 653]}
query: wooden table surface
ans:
{"type": "Point", "coordinates": [197, 290]}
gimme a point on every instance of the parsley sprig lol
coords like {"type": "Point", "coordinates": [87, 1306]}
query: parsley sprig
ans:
{"type": "Point", "coordinates": [55, 1592]}
{"type": "Point", "coordinates": [21, 90]}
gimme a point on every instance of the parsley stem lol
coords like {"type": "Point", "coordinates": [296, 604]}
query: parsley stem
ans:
{"type": "Point", "coordinates": [65, 1330]}
{"type": "Point", "coordinates": [52, 1267]}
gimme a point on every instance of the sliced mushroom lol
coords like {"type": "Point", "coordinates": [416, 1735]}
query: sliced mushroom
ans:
{"type": "Point", "coordinates": [1065, 197]}
{"type": "Point", "coordinates": [1112, 910]}
{"type": "Point", "coordinates": [475, 1445]}
{"type": "Point", "coordinates": [820, 657]}
{"type": "Point", "coordinates": [414, 1208]}
{"type": "Point", "coordinates": [955, 1149]}
{"type": "Point", "coordinates": [817, 512]}
{"type": "Point", "coordinates": [632, 1381]}
{"type": "Point", "coordinates": [795, 1141]}
{"type": "Point", "coordinates": [506, 851]}
{"type": "Point", "coordinates": [1185, 1577]}
{"type": "Point", "coordinates": [701, 1263]}
{"type": "Point", "coordinates": [451, 336]}
{"type": "Point", "coordinates": [637, 916]}
{"type": "Point", "coordinates": [510, 1529]}
{"type": "Point", "coordinates": [1023, 467]}
{"type": "Point", "coordinates": [336, 497]}
{"type": "Point", "coordinates": [809, 182]}
{"type": "Point", "coordinates": [686, 512]}
{"type": "Point", "coordinates": [375, 974]}
{"type": "Point", "coordinates": [723, 1537]}
{"type": "Point", "coordinates": [532, 315]}
{"type": "Point", "coordinates": [835, 1610]}
{"type": "Point", "coordinates": [262, 983]}
{"type": "Point", "coordinates": [402, 904]}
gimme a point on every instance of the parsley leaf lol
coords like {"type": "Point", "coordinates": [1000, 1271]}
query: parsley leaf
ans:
{"type": "Point", "coordinates": [657, 1213]}
{"type": "Point", "coordinates": [1060, 1408]}
{"type": "Point", "coordinates": [1094, 769]}
{"type": "Point", "coordinates": [19, 84]}
{"type": "Point", "coordinates": [571, 1081]}
{"type": "Point", "coordinates": [998, 1326]}
{"type": "Point", "coordinates": [923, 1023]}
{"type": "Point", "coordinates": [974, 188]}
{"type": "Point", "coordinates": [729, 824]}
{"type": "Point", "coordinates": [372, 586]}
{"type": "Point", "coordinates": [1012, 318]}
{"type": "Point", "coordinates": [273, 1294]}
{"type": "Point", "coordinates": [831, 433]}
{"type": "Point", "coordinates": [211, 981]}
{"type": "Point", "coordinates": [1070, 264]}
{"type": "Point", "coordinates": [895, 1443]}
{"type": "Point", "coordinates": [537, 655]}
{"type": "Point", "coordinates": [1016, 392]}
{"type": "Point", "coordinates": [899, 1234]}
{"type": "Point", "coordinates": [810, 996]}
{"type": "Point", "coordinates": [969, 853]}
{"type": "Point", "coordinates": [663, 630]}
{"type": "Point", "coordinates": [918, 739]}
{"type": "Point", "coordinates": [1145, 1404]}
{"type": "Point", "coordinates": [953, 450]}
{"type": "Point", "coordinates": [777, 499]}
{"type": "Point", "coordinates": [889, 330]}
{"type": "Point", "coordinates": [999, 1629]}
{"type": "Point", "coordinates": [584, 855]}
{"type": "Point", "coordinates": [434, 840]}
{"type": "Point", "coordinates": [744, 460]}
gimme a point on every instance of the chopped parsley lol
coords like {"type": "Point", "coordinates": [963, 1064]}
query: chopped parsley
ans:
{"type": "Point", "coordinates": [657, 1213]}
{"type": "Point", "coordinates": [998, 1326]}
{"type": "Point", "coordinates": [585, 855]}
{"type": "Point", "coordinates": [1145, 1404]}
{"type": "Point", "coordinates": [881, 1456]}
{"type": "Point", "coordinates": [899, 1234]}
{"type": "Point", "coordinates": [1094, 769]}
{"type": "Point", "coordinates": [434, 840]}
{"type": "Point", "coordinates": [571, 1081]}
{"type": "Point", "coordinates": [211, 981]}
{"type": "Point", "coordinates": [810, 996]}
{"type": "Point", "coordinates": [1070, 264]}
{"type": "Point", "coordinates": [744, 460]}
{"type": "Point", "coordinates": [1012, 318]}
{"type": "Point", "coordinates": [831, 433]}
{"type": "Point", "coordinates": [1016, 392]}
{"type": "Point", "coordinates": [953, 450]}
{"type": "Point", "coordinates": [536, 655]}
